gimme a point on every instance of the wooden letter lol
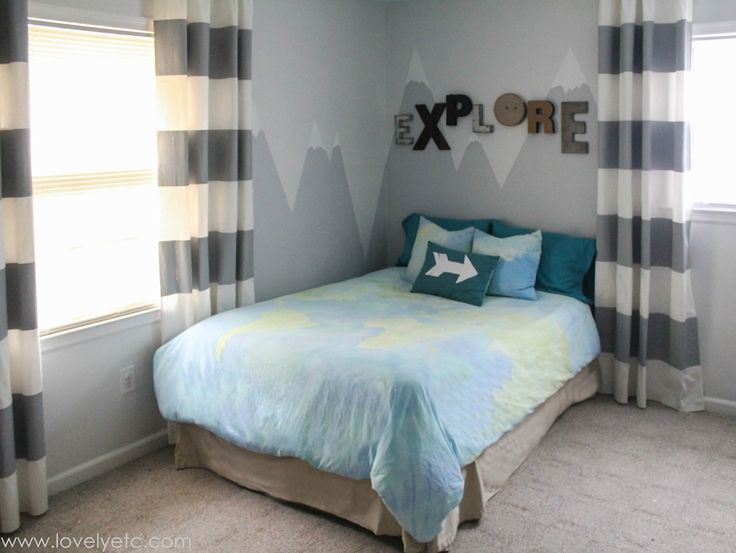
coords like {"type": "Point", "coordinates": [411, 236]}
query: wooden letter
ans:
{"type": "Point", "coordinates": [571, 127]}
{"type": "Point", "coordinates": [509, 109]}
{"type": "Point", "coordinates": [540, 113]}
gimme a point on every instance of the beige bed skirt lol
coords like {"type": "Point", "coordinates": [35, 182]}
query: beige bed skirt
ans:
{"type": "Point", "coordinates": [295, 480]}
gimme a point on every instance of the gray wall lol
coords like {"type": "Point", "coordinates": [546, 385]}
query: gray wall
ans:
{"type": "Point", "coordinates": [485, 49]}
{"type": "Point", "coordinates": [711, 11]}
{"type": "Point", "coordinates": [341, 67]}
{"type": "Point", "coordinates": [319, 142]}
{"type": "Point", "coordinates": [713, 256]}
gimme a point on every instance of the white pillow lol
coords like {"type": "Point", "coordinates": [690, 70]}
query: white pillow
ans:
{"type": "Point", "coordinates": [460, 240]}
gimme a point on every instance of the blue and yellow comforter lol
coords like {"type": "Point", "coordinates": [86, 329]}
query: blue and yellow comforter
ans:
{"type": "Point", "coordinates": [366, 380]}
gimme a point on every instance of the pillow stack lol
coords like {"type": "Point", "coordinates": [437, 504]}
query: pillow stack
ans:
{"type": "Point", "coordinates": [460, 260]}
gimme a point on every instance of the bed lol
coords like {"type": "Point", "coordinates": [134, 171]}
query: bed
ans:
{"type": "Point", "coordinates": [403, 413]}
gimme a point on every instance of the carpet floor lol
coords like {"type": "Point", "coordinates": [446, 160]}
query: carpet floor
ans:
{"type": "Point", "coordinates": [606, 478]}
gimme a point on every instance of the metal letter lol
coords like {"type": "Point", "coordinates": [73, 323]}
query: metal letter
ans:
{"type": "Point", "coordinates": [571, 127]}
{"type": "Point", "coordinates": [479, 125]}
{"type": "Point", "coordinates": [401, 124]}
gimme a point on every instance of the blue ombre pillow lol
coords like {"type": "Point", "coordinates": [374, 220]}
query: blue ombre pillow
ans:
{"type": "Point", "coordinates": [516, 271]}
{"type": "Point", "coordinates": [567, 265]}
{"type": "Point", "coordinates": [460, 240]}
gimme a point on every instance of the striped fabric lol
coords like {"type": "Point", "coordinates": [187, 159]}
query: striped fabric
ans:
{"type": "Point", "coordinates": [22, 447]}
{"type": "Point", "coordinates": [203, 74]}
{"type": "Point", "coordinates": [644, 302]}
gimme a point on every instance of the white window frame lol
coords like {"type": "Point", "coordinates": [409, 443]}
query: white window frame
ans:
{"type": "Point", "coordinates": [69, 17]}
{"type": "Point", "coordinates": [718, 213]}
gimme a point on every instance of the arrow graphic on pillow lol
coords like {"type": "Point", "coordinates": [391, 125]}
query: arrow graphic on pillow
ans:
{"type": "Point", "coordinates": [442, 265]}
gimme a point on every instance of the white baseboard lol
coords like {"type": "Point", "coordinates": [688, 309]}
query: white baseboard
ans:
{"type": "Point", "coordinates": [107, 462]}
{"type": "Point", "coordinates": [720, 406]}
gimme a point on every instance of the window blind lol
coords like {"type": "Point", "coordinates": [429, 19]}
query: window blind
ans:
{"type": "Point", "coordinates": [93, 143]}
{"type": "Point", "coordinates": [93, 101]}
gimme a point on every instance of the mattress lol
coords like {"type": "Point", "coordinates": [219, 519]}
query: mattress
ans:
{"type": "Point", "coordinates": [364, 380]}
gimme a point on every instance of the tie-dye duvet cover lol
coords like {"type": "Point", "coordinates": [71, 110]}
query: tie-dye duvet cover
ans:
{"type": "Point", "coordinates": [366, 380]}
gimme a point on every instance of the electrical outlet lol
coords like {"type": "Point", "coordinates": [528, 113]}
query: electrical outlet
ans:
{"type": "Point", "coordinates": [127, 380]}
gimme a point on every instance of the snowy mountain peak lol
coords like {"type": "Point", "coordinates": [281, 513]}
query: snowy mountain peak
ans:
{"type": "Point", "coordinates": [570, 75]}
{"type": "Point", "coordinates": [315, 138]}
{"type": "Point", "coordinates": [416, 69]}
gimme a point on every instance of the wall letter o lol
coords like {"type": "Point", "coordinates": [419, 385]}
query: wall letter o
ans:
{"type": "Point", "coordinates": [509, 109]}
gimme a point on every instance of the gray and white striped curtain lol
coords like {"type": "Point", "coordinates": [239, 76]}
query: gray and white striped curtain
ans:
{"type": "Point", "coordinates": [644, 302]}
{"type": "Point", "coordinates": [22, 447]}
{"type": "Point", "coordinates": [203, 75]}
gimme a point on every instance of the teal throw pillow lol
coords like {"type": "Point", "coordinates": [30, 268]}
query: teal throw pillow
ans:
{"type": "Point", "coordinates": [455, 275]}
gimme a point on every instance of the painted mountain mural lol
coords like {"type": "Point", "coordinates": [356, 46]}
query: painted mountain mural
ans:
{"type": "Point", "coordinates": [319, 240]}
{"type": "Point", "coordinates": [543, 188]}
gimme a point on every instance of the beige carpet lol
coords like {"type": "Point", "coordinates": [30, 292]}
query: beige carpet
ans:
{"type": "Point", "coordinates": [605, 478]}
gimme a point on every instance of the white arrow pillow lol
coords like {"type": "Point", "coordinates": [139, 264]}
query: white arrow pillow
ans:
{"type": "Point", "coordinates": [459, 240]}
{"type": "Point", "coordinates": [455, 275]}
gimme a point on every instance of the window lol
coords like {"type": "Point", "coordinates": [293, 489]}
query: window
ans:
{"type": "Point", "coordinates": [714, 121]}
{"type": "Point", "coordinates": [93, 138]}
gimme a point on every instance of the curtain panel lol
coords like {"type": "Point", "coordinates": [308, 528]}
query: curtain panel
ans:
{"type": "Point", "coordinates": [203, 76]}
{"type": "Point", "coordinates": [22, 445]}
{"type": "Point", "coordinates": [644, 303]}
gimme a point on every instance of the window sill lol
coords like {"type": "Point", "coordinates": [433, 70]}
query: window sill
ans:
{"type": "Point", "coordinates": [714, 214]}
{"type": "Point", "coordinates": [67, 338]}
{"type": "Point", "coordinates": [714, 29]}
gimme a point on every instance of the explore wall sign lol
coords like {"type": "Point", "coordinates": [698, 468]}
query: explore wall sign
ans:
{"type": "Point", "coordinates": [510, 110]}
